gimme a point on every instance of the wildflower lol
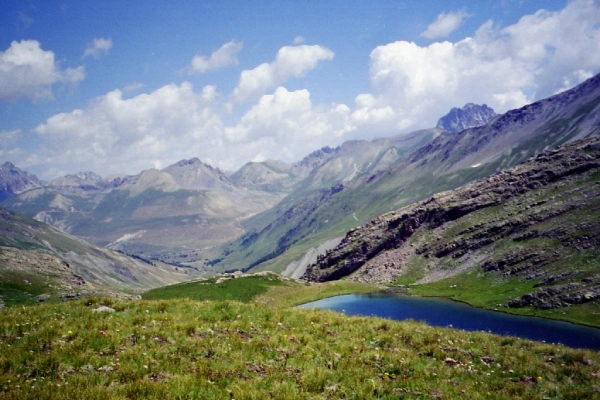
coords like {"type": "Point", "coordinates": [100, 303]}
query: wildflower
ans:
{"type": "Point", "coordinates": [292, 338]}
{"type": "Point", "coordinates": [101, 332]}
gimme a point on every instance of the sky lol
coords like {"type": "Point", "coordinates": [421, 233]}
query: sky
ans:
{"type": "Point", "coordinates": [117, 87]}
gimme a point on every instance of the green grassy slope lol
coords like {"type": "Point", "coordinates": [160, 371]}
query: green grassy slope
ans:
{"type": "Point", "coordinates": [181, 348]}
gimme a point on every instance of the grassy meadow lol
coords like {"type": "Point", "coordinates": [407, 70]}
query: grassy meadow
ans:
{"type": "Point", "coordinates": [240, 345]}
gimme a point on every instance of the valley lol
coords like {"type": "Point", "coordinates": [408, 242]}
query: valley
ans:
{"type": "Point", "coordinates": [419, 209]}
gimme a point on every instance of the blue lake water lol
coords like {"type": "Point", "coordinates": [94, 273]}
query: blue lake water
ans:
{"type": "Point", "coordinates": [443, 312]}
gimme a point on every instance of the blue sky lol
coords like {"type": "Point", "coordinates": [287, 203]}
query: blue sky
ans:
{"type": "Point", "coordinates": [122, 86]}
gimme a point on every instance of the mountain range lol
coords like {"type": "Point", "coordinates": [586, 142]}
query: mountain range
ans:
{"type": "Point", "coordinates": [276, 216]}
{"type": "Point", "coordinates": [363, 180]}
{"type": "Point", "coordinates": [533, 230]}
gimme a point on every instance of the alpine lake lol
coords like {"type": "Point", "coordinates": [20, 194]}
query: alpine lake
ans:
{"type": "Point", "coordinates": [447, 313]}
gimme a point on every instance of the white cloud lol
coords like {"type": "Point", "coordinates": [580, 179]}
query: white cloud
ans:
{"type": "Point", "coordinates": [225, 56]}
{"type": "Point", "coordinates": [114, 134]}
{"type": "Point", "coordinates": [286, 126]}
{"type": "Point", "coordinates": [27, 71]}
{"type": "Point", "coordinates": [412, 86]}
{"type": "Point", "coordinates": [298, 40]}
{"type": "Point", "coordinates": [445, 24]}
{"type": "Point", "coordinates": [290, 62]}
{"type": "Point", "coordinates": [97, 47]}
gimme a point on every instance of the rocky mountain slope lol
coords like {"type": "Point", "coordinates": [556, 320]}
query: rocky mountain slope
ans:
{"type": "Point", "coordinates": [366, 179]}
{"type": "Point", "coordinates": [37, 259]}
{"type": "Point", "coordinates": [538, 222]}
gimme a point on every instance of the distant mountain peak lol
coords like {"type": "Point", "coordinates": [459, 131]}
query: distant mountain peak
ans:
{"type": "Point", "coordinates": [469, 116]}
{"type": "Point", "coordinates": [14, 180]}
{"type": "Point", "coordinates": [193, 174]}
{"type": "Point", "coordinates": [191, 161]}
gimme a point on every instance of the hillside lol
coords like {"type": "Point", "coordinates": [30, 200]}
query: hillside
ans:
{"type": "Point", "coordinates": [102, 348]}
{"type": "Point", "coordinates": [37, 259]}
{"type": "Point", "coordinates": [525, 237]}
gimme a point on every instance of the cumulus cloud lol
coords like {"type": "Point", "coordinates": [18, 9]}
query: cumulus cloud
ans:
{"type": "Point", "coordinates": [290, 62]}
{"type": "Point", "coordinates": [115, 134]}
{"type": "Point", "coordinates": [27, 71]}
{"type": "Point", "coordinates": [97, 47]}
{"type": "Point", "coordinates": [286, 126]}
{"type": "Point", "coordinates": [506, 68]}
{"type": "Point", "coordinates": [445, 24]}
{"type": "Point", "coordinates": [225, 56]}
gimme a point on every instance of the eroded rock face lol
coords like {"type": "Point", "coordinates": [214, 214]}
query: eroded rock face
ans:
{"type": "Point", "coordinates": [558, 296]}
{"type": "Point", "coordinates": [527, 219]}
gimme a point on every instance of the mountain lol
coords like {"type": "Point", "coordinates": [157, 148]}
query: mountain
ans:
{"type": "Point", "coordinates": [532, 230]}
{"type": "Point", "coordinates": [469, 116]}
{"type": "Point", "coordinates": [268, 176]}
{"type": "Point", "coordinates": [193, 174]}
{"type": "Point", "coordinates": [176, 214]}
{"type": "Point", "coordinates": [277, 176]}
{"type": "Point", "coordinates": [321, 206]}
{"type": "Point", "coordinates": [13, 180]}
{"type": "Point", "coordinates": [37, 259]}
{"type": "Point", "coordinates": [362, 180]}
{"type": "Point", "coordinates": [85, 178]}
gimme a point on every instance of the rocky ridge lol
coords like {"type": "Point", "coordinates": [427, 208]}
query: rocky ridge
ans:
{"type": "Point", "coordinates": [14, 180]}
{"type": "Point", "coordinates": [530, 222]}
{"type": "Point", "coordinates": [469, 116]}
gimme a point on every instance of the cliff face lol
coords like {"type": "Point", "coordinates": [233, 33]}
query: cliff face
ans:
{"type": "Point", "coordinates": [539, 221]}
